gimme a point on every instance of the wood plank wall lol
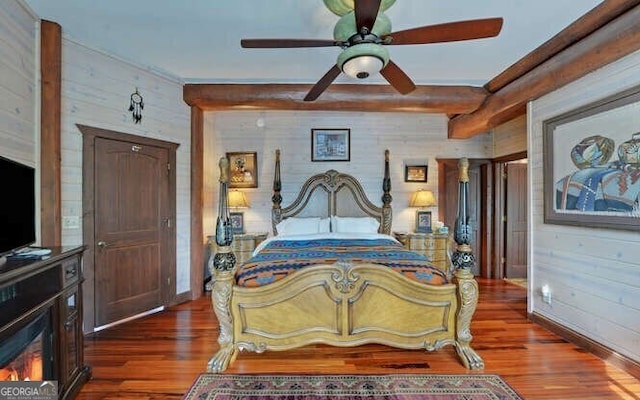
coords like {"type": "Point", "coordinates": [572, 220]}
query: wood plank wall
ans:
{"type": "Point", "coordinates": [413, 139]}
{"type": "Point", "coordinates": [593, 274]}
{"type": "Point", "coordinates": [18, 83]}
{"type": "Point", "coordinates": [96, 92]}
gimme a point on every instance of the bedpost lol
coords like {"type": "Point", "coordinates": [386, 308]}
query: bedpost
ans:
{"type": "Point", "coordinates": [276, 199]}
{"type": "Point", "coordinates": [223, 272]}
{"type": "Point", "coordinates": [463, 262]}
{"type": "Point", "coordinates": [386, 196]}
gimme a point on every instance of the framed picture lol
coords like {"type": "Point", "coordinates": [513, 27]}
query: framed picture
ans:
{"type": "Point", "coordinates": [237, 222]}
{"type": "Point", "coordinates": [243, 169]}
{"type": "Point", "coordinates": [415, 173]}
{"type": "Point", "coordinates": [591, 162]}
{"type": "Point", "coordinates": [330, 144]}
{"type": "Point", "coordinates": [423, 221]}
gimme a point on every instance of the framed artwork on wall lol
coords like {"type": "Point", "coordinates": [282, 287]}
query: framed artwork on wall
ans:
{"type": "Point", "coordinates": [243, 169]}
{"type": "Point", "coordinates": [415, 173]}
{"type": "Point", "coordinates": [591, 162]}
{"type": "Point", "coordinates": [330, 144]}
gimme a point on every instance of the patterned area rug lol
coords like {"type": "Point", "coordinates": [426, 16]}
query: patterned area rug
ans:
{"type": "Point", "coordinates": [350, 387]}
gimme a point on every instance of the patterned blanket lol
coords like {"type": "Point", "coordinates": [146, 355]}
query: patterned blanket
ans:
{"type": "Point", "coordinates": [282, 257]}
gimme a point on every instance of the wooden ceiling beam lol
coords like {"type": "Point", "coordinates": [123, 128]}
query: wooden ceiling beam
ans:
{"type": "Point", "coordinates": [338, 97]}
{"type": "Point", "coordinates": [611, 42]}
{"type": "Point", "coordinates": [590, 22]}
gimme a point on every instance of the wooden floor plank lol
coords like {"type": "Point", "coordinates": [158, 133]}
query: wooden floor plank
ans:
{"type": "Point", "coordinates": [158, 356]}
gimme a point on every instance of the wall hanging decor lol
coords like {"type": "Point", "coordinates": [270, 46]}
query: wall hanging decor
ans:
{"type": "Point", "coordinates": [135, 106]}
{"type": "Point", "coordinates": [586, 181]}
{"type": "Point", "coordinates": [415, 173]}
{"type": "Point", "coordinates": [243, 168]}
{"type": "Point", "coordinates": [330, 144]}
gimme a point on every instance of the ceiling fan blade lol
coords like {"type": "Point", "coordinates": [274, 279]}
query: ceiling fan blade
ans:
{"type": "Point", "coordinates": [397, 78]}
{"type": "Point", "coordinates": [286, 43]}
{"type": "Point", "coordinates": [323, 83]}
{"type": "Point", "coordinates": [366, 12]}
{"type": "Point", "coordinates": [448, 32]}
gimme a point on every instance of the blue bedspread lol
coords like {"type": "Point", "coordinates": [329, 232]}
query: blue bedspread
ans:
{"type": "Point", "coordinates": [283, 257]}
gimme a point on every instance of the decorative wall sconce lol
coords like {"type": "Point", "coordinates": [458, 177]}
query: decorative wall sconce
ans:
{"type": "Point", "coordinates": [135, 106]}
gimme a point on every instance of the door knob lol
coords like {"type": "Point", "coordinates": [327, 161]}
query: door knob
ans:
{"type": "Point", "coordinates": [102, 244]}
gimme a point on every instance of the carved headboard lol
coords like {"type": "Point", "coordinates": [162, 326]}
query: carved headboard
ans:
{"type": "Point", "coordinates": [332, 193]}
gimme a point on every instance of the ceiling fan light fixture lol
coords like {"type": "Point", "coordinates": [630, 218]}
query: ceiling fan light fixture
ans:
{"type": "Point", "coordinates": [362, 67]}
{"type": "Point", "coordinates": [363, 60]}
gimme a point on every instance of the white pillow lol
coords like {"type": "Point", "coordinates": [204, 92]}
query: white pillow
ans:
{"type": "Point", "coordinates": [355, 224]}
{"type": "Point", "coordinates": [298, 226]}
{"type": "Point", "coordinates": [325, 225]}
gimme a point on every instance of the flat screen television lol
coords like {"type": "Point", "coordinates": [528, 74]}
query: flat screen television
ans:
{"type": "Point", "coordinates": [17, 206]}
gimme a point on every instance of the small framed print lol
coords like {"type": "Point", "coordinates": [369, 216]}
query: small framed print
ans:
{"type": "Point", "coordinates": [237, 222]}
{"type": "Point", "coordinates": [330, 145]}
{"type": "Point", "coordinates": [243, 169]}
{"type": "Point", "coordinates": [415, 173]}
{"type": "Point", "coordinates": [423, 221]}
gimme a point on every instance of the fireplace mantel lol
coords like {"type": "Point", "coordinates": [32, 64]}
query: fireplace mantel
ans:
{"type": "Point", "coordinates": [50, 287]}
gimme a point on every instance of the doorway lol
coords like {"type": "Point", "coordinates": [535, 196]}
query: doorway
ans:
{"type": "Point", "coordinates": [128, 226]}
{"type": "Point", "coordinates": [511, 225]}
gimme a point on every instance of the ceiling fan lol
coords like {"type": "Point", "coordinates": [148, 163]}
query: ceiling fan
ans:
{"type": "Point", "coordinates": [364, 31]}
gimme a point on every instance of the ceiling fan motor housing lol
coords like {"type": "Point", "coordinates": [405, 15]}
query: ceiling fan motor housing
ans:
{"type": "Point", "coordinates": [341, 7]}
{"type": "Point", "coordinates": [346, 26]}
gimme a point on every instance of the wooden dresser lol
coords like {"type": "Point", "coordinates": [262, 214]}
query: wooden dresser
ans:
{"type": "Point", "coordinates": [434, 246]}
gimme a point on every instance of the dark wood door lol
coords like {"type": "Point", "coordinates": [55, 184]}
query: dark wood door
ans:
{"type": "Point", "coordinates": [131, 190]}
{"type": "Point", "coordinates": [516, 221]}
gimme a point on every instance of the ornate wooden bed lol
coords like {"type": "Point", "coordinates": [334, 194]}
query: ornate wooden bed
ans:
{"type": "Point", "coordinates": [340, 304]}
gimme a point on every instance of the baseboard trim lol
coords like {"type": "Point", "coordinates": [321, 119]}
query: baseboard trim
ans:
{"type": "Point", "coordinates": [611, 356]}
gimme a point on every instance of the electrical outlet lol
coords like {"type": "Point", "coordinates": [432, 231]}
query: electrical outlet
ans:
{"type": "Point", "coordinates": [546, 294]}
{"type": "Point", "coordinates": [70, 222]}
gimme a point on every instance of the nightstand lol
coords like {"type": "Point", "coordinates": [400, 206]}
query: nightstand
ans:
{"type": "Point", "coordinates": [242, 246]}
{"type": "Point", "coordinates": [433, 246]}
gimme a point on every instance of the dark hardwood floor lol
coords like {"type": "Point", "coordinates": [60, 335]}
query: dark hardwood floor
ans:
{"type": "Point", "coordinates": [158, 357]}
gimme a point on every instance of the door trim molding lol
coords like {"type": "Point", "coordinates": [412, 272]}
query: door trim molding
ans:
{"type": "Point", "coordinates": [90, 134]}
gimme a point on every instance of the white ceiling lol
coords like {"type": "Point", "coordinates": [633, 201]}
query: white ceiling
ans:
{"type": "Point", "coordinates": [199, 40]}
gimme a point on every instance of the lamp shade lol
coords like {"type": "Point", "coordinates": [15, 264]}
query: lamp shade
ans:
{"type": "Point", "coordinates": [237, 199]}
{"type": "Point", "coordinates": [423, 198]}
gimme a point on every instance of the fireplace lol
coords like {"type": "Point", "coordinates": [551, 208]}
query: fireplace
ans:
{"type": "Point", "coordinates": [27, 353]}
{"type": "Point", "coordinates": [41, 321]}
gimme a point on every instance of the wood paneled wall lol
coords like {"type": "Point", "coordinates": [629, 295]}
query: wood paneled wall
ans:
{"type": "Point", "coordinates": [18, 93]}
{"type": "Point", "coordinates": [413, 139]}
{"type": "Point", "coordinates": [96, 92]}
{"type": "Point", "coordinates": [593, 274]}
{"type": "Point", "coordinates": [510, 137]}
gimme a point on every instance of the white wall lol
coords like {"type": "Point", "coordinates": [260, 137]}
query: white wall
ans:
{"type": "Point", "coordinates": [96, 89]}
{"type": "Point", "coordinates": [18, 83]}
{"type": "Point", "coordinates": [510, 137]}
{"type": "Point", "coordinates": [594, 274]}
{"type": "Point", "coordinates": [410, 138]}
{"type": "Point", "coordinates": [19, 131]}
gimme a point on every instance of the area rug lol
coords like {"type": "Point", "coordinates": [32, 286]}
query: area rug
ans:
{"type": "Point", "coordinates": [350, 387]}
